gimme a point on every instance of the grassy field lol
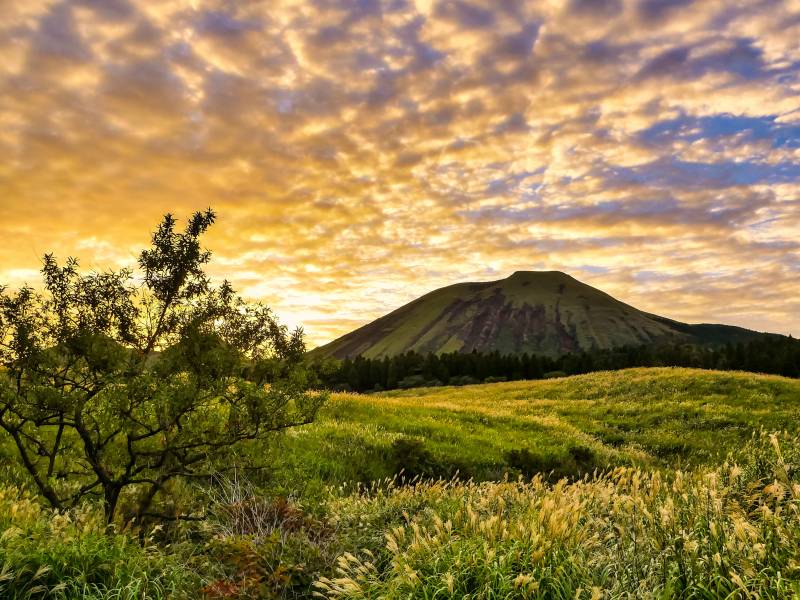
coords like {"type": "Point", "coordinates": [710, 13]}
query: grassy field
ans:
{"type": "Point", "coordinates": [668, 417]}
{"type": "Point", "coordinates": [672, 487]}
{"type": "Point", "coordinates": [730, 532]}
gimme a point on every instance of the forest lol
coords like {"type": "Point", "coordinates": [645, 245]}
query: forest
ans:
{"type": "Point", "coordinates": [776, 355]}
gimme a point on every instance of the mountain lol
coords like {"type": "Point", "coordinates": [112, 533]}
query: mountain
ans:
{"type": "Point", "coordinates": [543, 312]}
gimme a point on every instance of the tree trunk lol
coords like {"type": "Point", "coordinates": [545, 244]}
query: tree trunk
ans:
{"type": "Point", "coordinates": [110, 499]}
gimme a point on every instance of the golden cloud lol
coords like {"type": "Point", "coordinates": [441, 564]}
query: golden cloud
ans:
{"type": "Point", "coordinates": [362, 153]}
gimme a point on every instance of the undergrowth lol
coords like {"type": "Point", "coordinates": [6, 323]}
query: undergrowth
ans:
{"type": "Point", "coordinates": [72, 554]}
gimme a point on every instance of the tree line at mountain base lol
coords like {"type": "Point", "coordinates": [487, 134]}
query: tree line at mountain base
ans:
{"type": "Point", "coordinates": [772, 355]}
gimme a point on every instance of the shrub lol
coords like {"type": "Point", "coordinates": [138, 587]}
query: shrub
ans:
{"type": "Point", "coordinates": [463, 380]}
{"type": "Point", "coordinates": [413, 381]}
{"type": "Point", "coordinates": [412, 459]}
{"type": "Point", "coordinates": [578, 461]}
{"type": "Point", "coordinates": [584, 458]}
{"type": "Point", "coordinates": [554, 374]}
{"type": "Point", "coordinates": [529, 463]}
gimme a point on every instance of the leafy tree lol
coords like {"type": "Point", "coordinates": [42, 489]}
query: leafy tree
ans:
{"type": "Point", "coordinates": [391, 374]}
{"type": "Point", "coordinates": [118, 386]}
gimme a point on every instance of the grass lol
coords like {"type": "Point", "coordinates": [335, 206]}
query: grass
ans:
{"type": "Point", "coordinates": [731, 532]}
{"type": "Point", "coordinates": [660, 488]}
{"type": "Point", "coordinates": [655, 418]}
{"type": "Point", "coordinates": [66, 555]}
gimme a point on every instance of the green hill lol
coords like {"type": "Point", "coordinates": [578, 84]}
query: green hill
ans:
{"type": "Point", "coordinates": [547, 313]}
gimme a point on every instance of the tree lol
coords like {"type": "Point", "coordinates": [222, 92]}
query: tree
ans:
{"type": "Point", "coordinates": [116, 387]}
{"type": "Point", "coordinates": [391, 374]}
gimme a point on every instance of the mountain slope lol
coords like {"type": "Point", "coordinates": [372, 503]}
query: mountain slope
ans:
{"type": "Point", "coordinates": [542, 312]}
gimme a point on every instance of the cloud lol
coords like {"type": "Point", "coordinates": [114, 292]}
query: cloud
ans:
{"type": "Point", "coordinates": [465, 14]}
{"type": "Point", "coordinates": [600, 9]}
{"type": "Point", "coordinates": [653, 11]}
{"type": "Point", "coordinates": [363, 153]}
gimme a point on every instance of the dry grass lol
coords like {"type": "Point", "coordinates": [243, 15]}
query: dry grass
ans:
{"type": "Point", "coordinates": [729, 532]}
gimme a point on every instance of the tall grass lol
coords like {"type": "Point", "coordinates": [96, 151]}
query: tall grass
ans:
{"type": "Point", "coordinates": [652, 418]}
{"type": "Point", "coordinates": [730, 532]}
{"type": "Point", "coordinates": [51, 554]}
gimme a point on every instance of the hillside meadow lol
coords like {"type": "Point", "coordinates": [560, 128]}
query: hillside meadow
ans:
{"type": "Point", "coordinates": [661, 417]}
{"type": "Point", "coordinates": [640, 483]}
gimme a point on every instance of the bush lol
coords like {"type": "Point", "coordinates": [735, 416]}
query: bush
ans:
{"type": "Point", "coordinates": [529, 463]}
{"type": "Point", "coordinates": [583, 458]}
{"type": "Point", "coordinates": [414, 381]}
{"type": "Point", "coordinates": [411, 459]}
{"type": "Point", "coordinates": [578, 461]}
{"type": "Point", "coordinates": [554, 374]}
{"type": "Point", "coordinates": [463, 380]}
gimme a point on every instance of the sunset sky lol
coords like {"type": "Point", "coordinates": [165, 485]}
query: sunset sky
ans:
{"type": "Point", "coordinates": [362, 152]}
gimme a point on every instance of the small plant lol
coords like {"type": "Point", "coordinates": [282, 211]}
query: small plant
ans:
{"type": "Point", "coordinates": [266, 547]}
{"type": "Point", "coordinates": [238, 509]}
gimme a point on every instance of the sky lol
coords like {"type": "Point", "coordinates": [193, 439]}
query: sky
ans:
{"type": "Point", "coordinates": [360, 153]}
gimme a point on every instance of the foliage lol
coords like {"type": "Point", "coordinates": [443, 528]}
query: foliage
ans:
{"type": "Point", "coordinates": [714, 522]}
{"type": "Point", "coordinates": [413, 460]}
{"type": "Point", "coordinates": [579, 460]}
{"type": "Point", "coordinates": [116, 390]}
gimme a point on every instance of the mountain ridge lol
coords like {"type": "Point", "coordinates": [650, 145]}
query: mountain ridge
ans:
{"type": "Point", "coordinates": [542, 312]}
